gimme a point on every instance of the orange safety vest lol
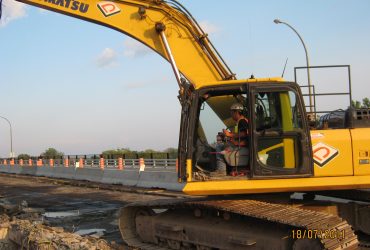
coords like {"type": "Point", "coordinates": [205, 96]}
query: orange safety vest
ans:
{"type": "Point", "coordinates": [238, 140]}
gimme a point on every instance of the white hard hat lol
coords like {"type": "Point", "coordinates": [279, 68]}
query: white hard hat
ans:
{"type": "Point", "coordinates": [237, 106]}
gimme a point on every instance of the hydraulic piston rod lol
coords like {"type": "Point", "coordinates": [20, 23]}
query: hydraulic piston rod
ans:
{"type": "Point", "coordinates": [160, 27]}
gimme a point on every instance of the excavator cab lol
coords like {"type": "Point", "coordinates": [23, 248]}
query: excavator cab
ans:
{"type": "Point", "coordinates": [277, 145]}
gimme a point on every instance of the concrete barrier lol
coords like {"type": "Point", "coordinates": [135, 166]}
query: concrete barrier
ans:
{"type": "Point", "coordinates": [4, 169]}
{"type": "Point", "coordinates": [15, 169]}
{"type": "Point", "coordinates": [27, 170]}
{"type": "Point", "coordinates": [46, 171]}
{"type": "Point", "coordinates": [64, 172]}
{"type": "Point", "coordinates": [89, 174]}
{"type": "Point", "coordinates": [125, 177]}
{"type": "Point", "coordinates": [149, 178]}
{"type": "Point", "coordinates": [159, 179]}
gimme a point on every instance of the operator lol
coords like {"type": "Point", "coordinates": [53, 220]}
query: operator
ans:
{"type": "Point", "coordinates": [239, 135]}
{"type": "Point", "coordinates": [235, 151]}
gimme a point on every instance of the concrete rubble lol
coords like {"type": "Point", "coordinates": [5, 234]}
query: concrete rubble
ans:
{"type": "Point", "coordinates": [24, 228]}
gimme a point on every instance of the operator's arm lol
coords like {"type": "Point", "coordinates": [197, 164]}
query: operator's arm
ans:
{"type": "Point", "coordinates": [241, 134]}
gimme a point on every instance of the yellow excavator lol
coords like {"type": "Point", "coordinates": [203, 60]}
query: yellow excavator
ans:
{"type": "Point", "coordinates": [255, 204]}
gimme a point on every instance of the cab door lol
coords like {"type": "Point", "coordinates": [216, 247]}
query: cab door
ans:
{"type": "Point", "coordinates": [281, 146]}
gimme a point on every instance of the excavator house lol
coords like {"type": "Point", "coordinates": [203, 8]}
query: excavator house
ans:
{"type": "Point", "coordinates": [292, 185]}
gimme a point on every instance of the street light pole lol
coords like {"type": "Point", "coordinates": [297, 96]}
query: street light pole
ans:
{"type": "Point", "coordinates": [277, 21]}
{"type": "Point", "coordinates": [11, 137]}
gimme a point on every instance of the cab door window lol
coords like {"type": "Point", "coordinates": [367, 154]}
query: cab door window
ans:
{"type": "Point", "coordinates": [278, 133]}
{"type": "Point", "coordinates": [221, 140]}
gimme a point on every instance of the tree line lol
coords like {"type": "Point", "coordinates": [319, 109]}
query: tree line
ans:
{"type": "Point", "coordinates": [365, 103]}
{"type": "Point", "coordinates": [169, 153]}
{"type": "Point", "coordinates": [126, 153]}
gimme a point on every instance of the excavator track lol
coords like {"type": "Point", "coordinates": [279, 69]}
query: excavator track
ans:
{"type": "Point", "coordinates": [304, 229]}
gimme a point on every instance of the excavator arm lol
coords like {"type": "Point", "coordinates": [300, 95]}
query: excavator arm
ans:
{"type": "Point", "coordinates": [164, 26]}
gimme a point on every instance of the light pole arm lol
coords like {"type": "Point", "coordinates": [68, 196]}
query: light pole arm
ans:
{"type": "Point", "coordinates": [300, 38]}
{"type": "Point", "coordinates": [277, 21]}
{"type": "Point", "coordinates": [11, 136]}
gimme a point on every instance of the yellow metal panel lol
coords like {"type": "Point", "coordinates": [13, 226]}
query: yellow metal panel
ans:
{"type": "Point", "coordinates": [289, 156]}
{"type": "Point", "coordinates": [241, 81]}
{"type": "Point", "coordinates": [330, 163]}
{"type": "Point", "coordinates": [189, 171]}
{"type": "Point", "coordinates": [361, 150]}
{"type": "Point", "coordinates": [278, 185]}
{"type": "Point", "coordinates": [286, 110]}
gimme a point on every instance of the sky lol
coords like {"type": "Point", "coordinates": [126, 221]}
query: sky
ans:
{"type": "Point", "coordinates": [83, 88]}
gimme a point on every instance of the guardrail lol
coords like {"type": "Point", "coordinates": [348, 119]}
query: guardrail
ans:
{"type": "Point", "coordinates": [144, 173]}
{"type": "Point", "coordinates": [120, 163]}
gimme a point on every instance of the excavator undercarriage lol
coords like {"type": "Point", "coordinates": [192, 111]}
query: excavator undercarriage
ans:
{"type": "Point", "coordinates": [232, 224]}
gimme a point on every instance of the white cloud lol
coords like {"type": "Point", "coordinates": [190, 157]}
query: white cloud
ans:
{"type": "Point", "coordinates": [133, 48]}
{"type": "Point", "coordinates": [208, 27]}
{"type": "Point", "coordinates": [108, 57]}
{"type": "Point", "coordinates": [12, 10]}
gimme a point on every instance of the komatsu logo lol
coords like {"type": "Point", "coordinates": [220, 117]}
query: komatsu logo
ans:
{"type": "Point", "coordinates": [70, 4]}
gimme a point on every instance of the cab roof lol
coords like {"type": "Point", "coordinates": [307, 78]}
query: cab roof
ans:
{"type": "Point", "coordinates": [240, 81]}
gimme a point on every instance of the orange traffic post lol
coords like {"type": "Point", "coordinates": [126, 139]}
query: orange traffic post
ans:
{"type": "Point", "coordinates": [66, 162]}
{"type": "Point", "coordinates": [81, 163]}
{"type": "Point", "coordinates": [101, 163]}
{"type": "Point", "coordinates": [51, 162]}
{"type": "Point", "coordinates": [21, 162]}
{"type": "Point", "coordinates": [29, 162]}
{"type": "Point", "coordinates": [141, 164]}
{"type": "Point", "coordinates": [120, 163]}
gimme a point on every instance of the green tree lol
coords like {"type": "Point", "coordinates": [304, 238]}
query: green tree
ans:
{"type": "Point", "coordinates": [147, 153]}
{"type": "Point", "coordinates": [366, 103]}
{"type": "Point", "coordinates": [52, 153]}
{"type": "Point", "coordinates": [119, 152]}
{"type": "Point", "coordinates": [357, 104]}
{"type": "Point", "coordinates": [24, 156]}
{"type": "Point", "coordinates": [172, 152]}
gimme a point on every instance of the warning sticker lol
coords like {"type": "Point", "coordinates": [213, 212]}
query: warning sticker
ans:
{"type": "Point", "coordinates": [323, 153]}
{"type": "Point", "coordinates": [108, 8]}
{"type": "Point", "coordinates": [317, 136]}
